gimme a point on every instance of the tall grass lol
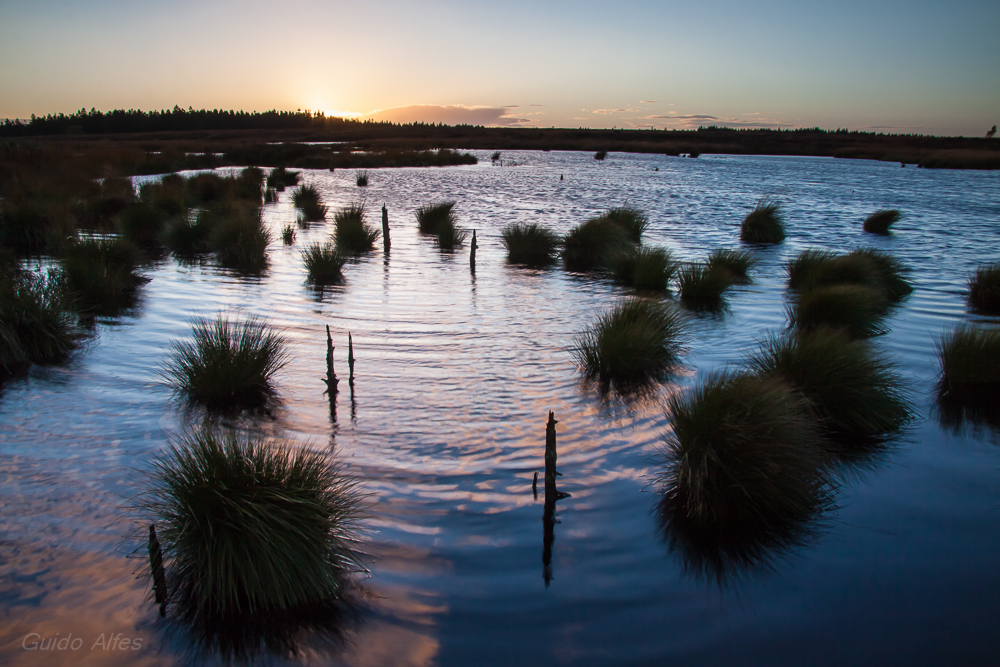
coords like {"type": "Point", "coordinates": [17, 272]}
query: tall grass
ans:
{"type": "Point", "coordinates": [142, 224]}
{"type": "Point", "coordinates": [880, 221]}
{"type": "Point", "coordinates": [279, 178]}
{"type": "Point", "coordinates": [864, 267]}
{"type": "Point", "coordinates": [852, 388]}
{"type": "Point", "coordinates": [856, 310]}
{"type": "Point", "coordinates": [307, 199]}
{"type": "Point", "coordinates": [324, 264]}
{"type": "Point", "coordinates": [228, 364]}
{"type": "Point", "coordinates": [288, 235]}
{"type": "Point", "coordinates": [449, 235]}
{"type": "Point", "coordinates": [636, 341]}
{"type": "Point", "coordinates": [701, 286]}
{"type": "Point", "coordinates": [984, 289]}
{"type": "Point", "coordinates": [35, 226]}
{"type": "Point", "coordinates": [738, 263]}
{"type": "Point", "coordinates": [600, 155]}
{"type": "Point", "coordinates": [431, 216]}
{"type": "Point", "coordinates": [35, 323]}
{"type": "Point", "coordinates": [643, 268]}
{"type": "Point", "coordinates": [593, 244]}
{"type": "Point", "coordinates": [970, 361]}
{"type": "Point", "coordinates": [764, 224]}
{"type": "Point", "coordinates": [530, 244]}
{"type": "Point", "coordinates": [352, 234]}
{"type": "Point", "coordinates": [185, 236]}
{"type": "Point", "coordinates": [255, 531]}
{"type": "Point", "coordinates": [632, 220]}
{"type": "Point", "coordinates": [361, 178]}
{"type": "Point", "coordinates": [101, 274]}
{"type": "Point", "coordinates": [240, 239]}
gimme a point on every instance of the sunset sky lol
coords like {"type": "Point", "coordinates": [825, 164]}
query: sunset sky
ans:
{"type": "Point", "coordinates": [916, 67]}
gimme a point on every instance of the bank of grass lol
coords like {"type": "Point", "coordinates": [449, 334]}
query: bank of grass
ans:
{"type": "Point", "coordinates": [530, 244]}
{"type": "Point", "coordinates": [638, 340]}
{"type": "Point", "coordinates": [431, 216]}
{"type": "Point", "coordinates": [852, 389]}
{"type": "Point", "coordinates": [856, 310]}
{"type": "Point", "coordinates": [701, 286]}
{"type": "Point", "coordinates": [324, 264]}
{"type": "Point", "coordinates": [643, 268]}
{"type": "Point", "coordinates": [738, 263]}
{"type": "Point", "coordinates": [143, 225]}
{"type": "Point", "coordinates": [35, 226]}
{"type": "Point", "coordinates": [984, 289]}
{"type": "Point", "coordinates": [239, 239]}
{"type": "Point", "coordinates": [592, 244]}
{"type": "Point", "coordinates": [880, 221]}
{"type": "Point", "coordinates": [763, 224]}
{"type": "Point", "coordinates": [102, 274]}
{"type": "Point", "coordinates": [352, 234]}
{"type": "Point", "coordinates": [229, 363]}
{"type": "Point", "coordinates": [251, 527]}
{"type": "Point", "coordinates": [36, 325]}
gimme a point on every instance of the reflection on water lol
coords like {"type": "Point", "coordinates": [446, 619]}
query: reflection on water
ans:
{"type": "Point", "coordinates": [451, 378]}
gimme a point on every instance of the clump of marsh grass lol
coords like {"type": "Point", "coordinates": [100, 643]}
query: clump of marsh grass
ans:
{"type": "Point", "coordinates": [35, 323]}
{"type": "Point", "coordinates": [853, 389]}
{"type": "Point", "coordinates": [450, 236]}
{"type": "Point", "coordinates": [186, 236]}
{"type": "Point", "coordinates": [249, 185]}
{"type": "Point", "coordinates": [856, 310]}
{"type": "Point", "coordinates": [636, 341]}
{"type": "Point", "coordinates": [530, 244]}
{"type": "Point", "coordinates": [240, 239]}
{"type": "Point", "coordinates": [228, 364]}
{"type": "Point", "coordinates": [643, 268]}
{"type": "Point", "coordinates": [34, 227]}
{"type": "Point", "coordinates": [984, 289]}
{"type": "Point", "coordinates": [431, 216]}
{"type": "Point", "coordinates": [101, 274]}
{"type": "Point", "coordinates": [270, 195]}
{"type": "Point", "coordinates": [324, 264]}
{"type": "Point", "coordinates": [593, 244]}
{"type": "Point", "coordinates": [880, 221]}
{"type": "Point", "coordinates": [632, 220]}
{"type": "Point", "coordinates": [352, 234]}
{"type": "Point", "coordinates": [288, 235]}
{"type": "Point", "coordinates": [361, 178]}
{"type": "Point", "coordinates": [970, 361]}
{"type": "Point", "coordinates": [737, 263]}
{"type": "Point", "coordinates": [764, 224]}
{"type": "Point", "coordinates": [142, 224]}
{"type": "Point", "coordinates": [280, 178]}
{"type": "Point", "coordinates": [744, 462]}
{"type": "Point", "coordinates": [864, 267]}
{"type": "Point", "coordinates": [600, 155]}
{"type": "Point", "coordinates": [701, 286]}
{"type": "Point", "coordinates": [306, 198]}
{"type": "Point", "coordinates": [259, 537]}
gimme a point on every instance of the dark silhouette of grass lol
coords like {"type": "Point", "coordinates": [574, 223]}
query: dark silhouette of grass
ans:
{"type": "Point", "coordinates": [970, 362]}
{"type": "Point", "coordinates": [854, 390]}
{"type": "Point", "coordinates": [324, 264]}
{"type": "Point", "coordinates": [857, 310]}
{"type": "Point", "coordinates": [240, 239]}
{"type": "Point", "coordinates": [643, 268]}
{"type": "Point", "coordinates": [638, 340]}
{"type": "Point", "coordinates": [186, 237]}
{"type": "Point", "coordinates": [168, 195]}
{"type": "Point", "coordinates": [280, 178]}
{"type": "Point", "coordinates": [530, 244]}
{"type": "Point", "coordinates": [143, 225]}
{"type": "Point", "coordinates": [288, 235]}
{"type": "Point", "coordinates": [744, 466]}
{"type": "Point", "coordinates": [99, 208]}
{"type": "Point", "coordinates": [249, 185]}
{"type": "Point", "coordinates": [35, 226]}
{"type": "Point", "coordinates": [270, 195]}
{"type": "Point", "coordinates": [600, 155]}
{"type": "Point", "coordinates": [307, 199]}
{"type": "Point", "coordinates": [449, 235]}
{"type": "Point", "coordinates": [880, 221]}
{"type": "Point", "coordinates": [35, 323]}
{"type": "Point", "coordinates": [764, 224]}
{"type": "Point", "coordinates": [593, 244]}
{"type": "Point", "coordinates": [352, 234]}
{"type": "Point", "coordinates": [257, 533]}
{"type": "Point", "coordinates": [229, 363]}
{"type": "Point", "coordinates": [101, 274]}
{"type": "Point", "coordinates": [864, 267]}
{"type": "Point", "coordinates": [361, 178]}
{"type": "Point", "coordinates": [701, 286]}
{"type": "Point", "coordinates": [984, 289]}
{"type": "Point", "coordinates": [431, 216]}
{"type": "Point", "coordinates": [632, 220]}
{"type": "Point", "coordinates": [737, 263]}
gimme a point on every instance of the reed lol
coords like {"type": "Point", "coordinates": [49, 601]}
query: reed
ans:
{"type": "Point", "coordinates": [228, 364]}
{"type": "Point", "coordinates": [361, 178]}
{"type": "Point", "coordinates": [738, 263]}
{"type": "Point", "coordinates": [880, 221]}
{"type": "Point", "coordinates": [701, 286]}
{"type": "Point", "coordinates": [644, 268]}
{"type": "Point", "coordinates": [853, 389]}
{"type": "Point", "coordinates": [600, 155]}
{"type": "Point", "coordinates": [306, 198]}
{"type": "Point", "coordinates": [288, 235]}
{"type": "Point", "coordinates": [186, 237]}
{"type": "Point", "coordinates": [35, 323]}
{"type": "Point", "coordinates": [636, 341]}
{"type": "Point", "coordinates": [431, 216]}
{"type": "Point", "coordinates": [279, 178]}
{"type": "Point", "coordinates": [530, 244]}
{"type": "Point", "coordinates": [632, 220]}
{"type": "Point", "coordinates": [251, 526]}
{"type": "Point", "coordinates": [856, 310]}
{"type": "Point", "coordinates": [324, 264]}
{"type": "Point", "coordinates": [450, 236]}
{"type": "Point", "coordinates": [101, 274]}
{"type": "Point", "coordinates": [593, 244]}
{"type": "Point", "coordinates": [984, 289]}
{"type": "Point", "coordinates": [764, 224]}
{"type": "Point", "coordinates": [249, 185]}
{"type": "Point", "coordinates": [351, 233]}
{"type": "Point", "coordinates": [240, 239]}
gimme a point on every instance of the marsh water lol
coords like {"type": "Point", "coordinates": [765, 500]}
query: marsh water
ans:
{"type": "Point", "coordinates": [456, 373]}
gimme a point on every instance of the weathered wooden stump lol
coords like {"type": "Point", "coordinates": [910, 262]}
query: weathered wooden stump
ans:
{"type": "Point", "coordinates": [385, 229]}
{"type": "Point", "coordinates": [156, 567]}
{"type": "Point", "coordinates": [331, 375]}
{"type": "Point", "coordinates": [472, 255]}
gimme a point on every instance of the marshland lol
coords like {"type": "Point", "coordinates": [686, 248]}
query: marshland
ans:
{"type": "Point", "coordinates": [867, 531]}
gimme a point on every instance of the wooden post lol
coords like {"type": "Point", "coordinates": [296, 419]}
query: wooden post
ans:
{"type": "Point", "coordinates": [156, 567]}
{"type": "Point", "coordinates": [350, 358]}
{"type": "Point", "coordinates": [472, 256]}
{"type": "Point", "coordinates": [331, 375]}
{"type": "Point", "coordinates": [550, 453]}
{"type": "Point", "coordinates": [385, 229]}
{"type": "Point", "coordinates": [551, 496]}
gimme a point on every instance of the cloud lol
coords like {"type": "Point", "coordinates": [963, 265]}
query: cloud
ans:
{"type": "Point", "coordinates": [603, 111]}
{"type": "Point", "coordinates": [690, 117]}
{"type": "Point", "coordinates": [449, 115]}
{"type": "Point", "coordinates": [648, 102]}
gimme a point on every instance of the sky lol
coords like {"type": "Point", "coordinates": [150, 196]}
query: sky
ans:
{"type": "Point", "coordinates": [883, 65]}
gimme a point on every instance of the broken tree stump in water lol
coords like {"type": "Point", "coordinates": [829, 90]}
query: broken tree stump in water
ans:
{"type": "Point", "coordinates": [385, 229]}
{"type": "Point", "coordinates": [331, 375]}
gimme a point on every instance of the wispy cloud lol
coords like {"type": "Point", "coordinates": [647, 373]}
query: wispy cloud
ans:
{"type": "Point", "coordinates": [647, 102]}
{"type": "Point", "coordinates": [449, 115]}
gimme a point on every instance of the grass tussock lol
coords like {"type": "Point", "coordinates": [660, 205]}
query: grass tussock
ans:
{"type": "Point", "coordinates": [280, 178]}
{"type": "Point", "coordinates": [143, 225]}
{"type": "Point", "coordinates": [594, 243]}
{"type": "Point", "coordinates": [764, 224]}
{"type": "Point", "coordinates": [880, 221]}
{"type": "Point", "coordinates": [984, 290]}
{"type": "Point", "coordinates": [636, 341]}
{"type": "Point", "coordinates": [102, 274]}
{"type": "Point", "coordinates": [738, 263]}
{"type": "Point", "coordinates": [35, 323]}
{"type": "Point", "coordinates": [643, 268]}
{"type": "Point", "coordinates": [351, 233]}
{"type": "Point", "coordinates": [270, 195]}
{"type": "Point", "coordinates": [324, 264]}
{"type": "Point", "coordinates": [702, 286]}
{"type": "Point", "coordinates": [970, 361]}
{"type": "Point", "coordinates": [634, 221]}
{"type": "Point", "coordinates": [853, 390]}
{"type": "Point", "coordinates": [361, 178]}
{"type": "Point", "coordinates": [431, 216]}
{"type": "Point", "coordinates": [450, 236]}
{"type": "Point", "coordinates": [240, 238]}
{"type": "Point", "coordinates": [228, 364]}
{"type": "Point", "coordinates": [288, 235]}
{"type": "Point", "coordinates": [865, 267]}
{"type": "Point", "coordinates": [186, 236]}
{"type": "Point", "coordinates": [254, 530]}
{"type": "Point", "coordinates": [530, 244]}
{"type": "Point", "coordinates": [856, 310]}
{"type": "Point", "coordinates": [34, 226]}
{"type": "Point", "coordinates": [306, 199]}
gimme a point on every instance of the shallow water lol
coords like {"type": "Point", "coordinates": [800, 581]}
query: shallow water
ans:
{"type": "Point", "coordinates": [455, 375]}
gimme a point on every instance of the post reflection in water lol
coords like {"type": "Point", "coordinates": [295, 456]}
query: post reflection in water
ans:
{"type": "Point", "coordinates": [551, 496]}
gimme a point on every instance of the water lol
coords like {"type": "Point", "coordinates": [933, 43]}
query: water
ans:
{"type": "Point", "coordinates": [456, 374]}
